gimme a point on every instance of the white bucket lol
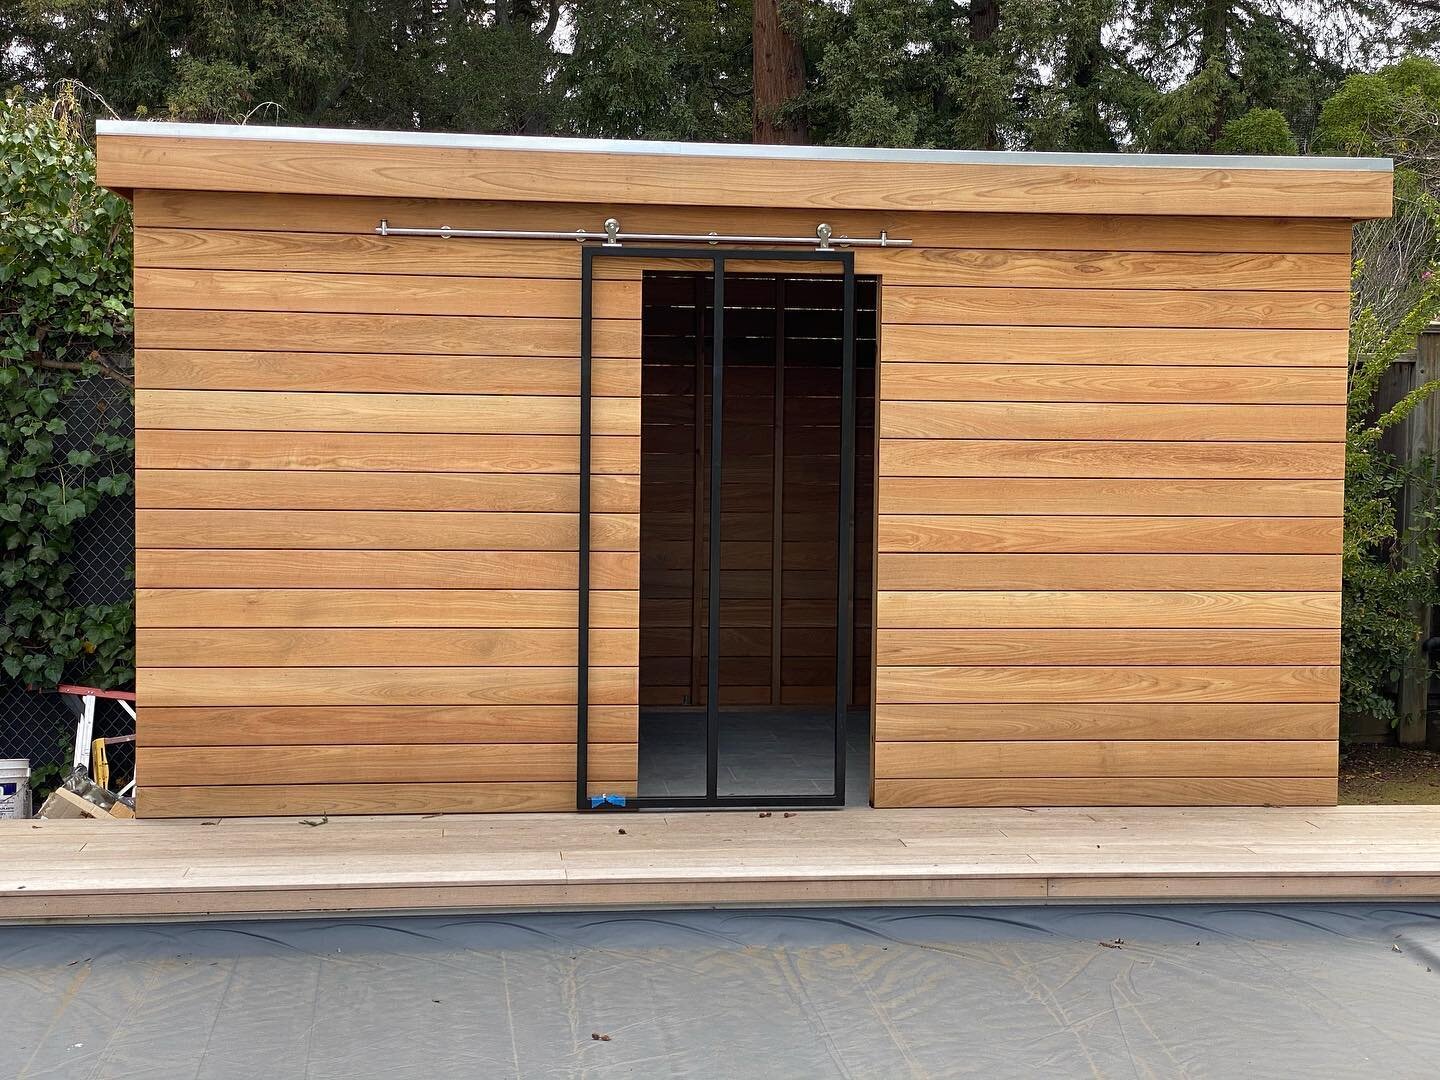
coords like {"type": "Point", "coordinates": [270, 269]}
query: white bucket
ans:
{"type": "Point", "coordinates": [14, 788]}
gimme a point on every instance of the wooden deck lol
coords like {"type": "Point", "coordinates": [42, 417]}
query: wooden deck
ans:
{"type": "Point", "coordinates": [283, 866]}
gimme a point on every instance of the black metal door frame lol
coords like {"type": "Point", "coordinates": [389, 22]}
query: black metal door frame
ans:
{"type": "Point", "coordinates": [717, 259]}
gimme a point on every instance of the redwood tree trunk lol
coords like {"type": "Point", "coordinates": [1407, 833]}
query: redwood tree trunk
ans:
{"type": "Point", "coordinates": [779, 76]}
{"type": "Point", "coordinates": [984, 18]}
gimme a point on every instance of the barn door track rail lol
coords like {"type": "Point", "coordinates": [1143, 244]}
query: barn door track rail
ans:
{"type": "Point", "coordinates": [823, 240]}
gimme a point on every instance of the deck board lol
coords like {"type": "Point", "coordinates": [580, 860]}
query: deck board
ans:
{"type": "Point", "coordinates": [193, 868]}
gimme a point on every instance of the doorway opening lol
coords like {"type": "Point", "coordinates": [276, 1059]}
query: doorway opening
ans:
{"type": "Point", "coordinates": [789, 664]}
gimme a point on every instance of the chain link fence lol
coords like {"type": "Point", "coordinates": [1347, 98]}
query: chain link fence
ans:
{"type": "Point", "coordinates": [39, 725]}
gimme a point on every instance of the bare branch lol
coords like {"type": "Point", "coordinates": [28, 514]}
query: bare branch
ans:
{"type": "Point", "coordinates": [264, 104]}
{"type": "Point", "coordinates": [122, 377]}
{"type": "Point", "coordinates": [552, 20]}
{"type": "Point", "coordinates": [78, 85]}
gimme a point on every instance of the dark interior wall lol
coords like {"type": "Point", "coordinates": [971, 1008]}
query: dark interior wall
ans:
{"type": "Point", "coordinates": [782, 343]}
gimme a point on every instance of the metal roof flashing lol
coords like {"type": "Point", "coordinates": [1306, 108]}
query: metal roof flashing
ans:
{"type": "Point", "coordinates": [351, 137]}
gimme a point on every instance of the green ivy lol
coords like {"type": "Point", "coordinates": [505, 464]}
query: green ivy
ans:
{"type": "Point", "coordinates": [65, 317]}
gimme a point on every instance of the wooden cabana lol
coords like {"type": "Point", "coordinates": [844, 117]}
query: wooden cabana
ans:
{"type": "Point", "coordinates": [922, 478]}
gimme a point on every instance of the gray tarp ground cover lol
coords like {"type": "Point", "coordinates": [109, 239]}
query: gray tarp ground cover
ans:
{"type": "Point", "coordinates": [1197, 991]}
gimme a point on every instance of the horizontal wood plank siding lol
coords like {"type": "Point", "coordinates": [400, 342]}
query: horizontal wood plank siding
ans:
{"type": "Point", "coordinates": [278, 568]}
{"type": "Point", "coordinates": [1092, 458]}
{"type": "Point", "coordinates": [421, 764]}
{"type": "Point", "coordinates": [1108, 532]}
{"type": "Point", "coordinates": [348, 725]}
{"type": "Point", "coordinates": [284, 490]}
{"type": "Point", "coordinates": [1025, 571]}
{"type": "Point", "coordinates": [216, 248]}
{"type": "Point", "coordinates": [192, 369]}
{"type": "Point", "coordinates": [1110, 791]}
{"type": "Point", "coordinates": [498, 608]}
{"type": "Point", "coordinates": [552, 685]}
{"type": "Point", "coordinates": [1104, 759]}
{"type": "Point", "coordinates": [429, 530]}
{"type": "Point", "coordinates": [1108, 490]}
{"type": "Point", "coordinates": [1029, 230]}
{"type": "Point", "coordinates": [461, 335]}
{"type": "Point", "coordinates": [357, 496]}
{"type": "Point", "coordinates": [128, 161]}
{"type": "Point", "coordinates": [480, 414]}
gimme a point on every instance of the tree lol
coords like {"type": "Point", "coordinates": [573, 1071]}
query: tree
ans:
{"type": "Point", "coordinates": [1093, 75]}
{"type": "Point", "coordinates": [778, 62]}
{"type": "Point", "coordinates": [659, 71]}
{"type": "Point", "coordinates": [1391, 565]}
{"type": "Point", "coordinates": [1087, 75]}
{"type": "Point", "coordinates": [201, 60]}
{"type": "Point", "coordinates": [484, 66]}
{"type": "Point", "coordinates": [912, 73]}
{"type": "Point", "coordinates": [1259, 131]}
{"type": "Point", "coordinates": [1212, 61]}
{"type": "Point", "coordinates": [1074, 109]}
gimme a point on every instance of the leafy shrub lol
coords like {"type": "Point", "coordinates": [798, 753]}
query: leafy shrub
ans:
{"type": "Point", "coordinates": [1391, 569]}
{"type": "Point", "coordinates": [1390, 566]}
{"type": "Point", "coordinates": [1259, 131]}
{"type": "Point", "coordinates": [66, 301]}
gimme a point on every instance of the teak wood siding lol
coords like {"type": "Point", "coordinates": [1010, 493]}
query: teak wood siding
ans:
{"type": "Point", "coordinates": [562, 175]}
{"type": "Point", "coordinates": [1109, 522]}
{"type": "Point", "coordinates": [1108, 486]}
{"type": "Point", "coordinates": [357, 498]}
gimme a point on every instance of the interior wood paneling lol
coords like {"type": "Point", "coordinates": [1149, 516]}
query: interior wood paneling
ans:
{"type": "Point", "coordinates": [781, 464]}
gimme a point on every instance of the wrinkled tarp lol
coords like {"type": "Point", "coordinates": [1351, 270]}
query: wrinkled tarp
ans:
{"type": "Point", "coordinates": [1230, 991]}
